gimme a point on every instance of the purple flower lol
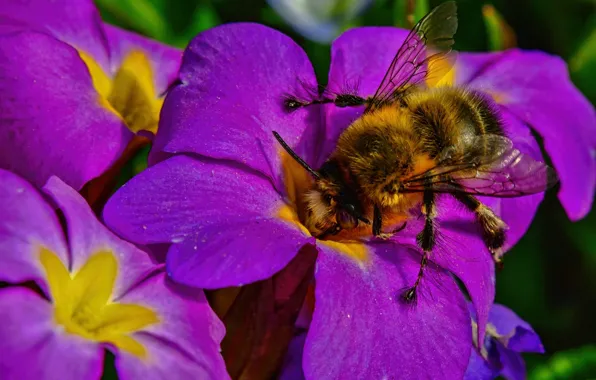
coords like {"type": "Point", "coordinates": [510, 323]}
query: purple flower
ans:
{"type": "Point", "coordinates": [75, 90]}
{"type": "Point", "coordinates": [218, 194]}
{"type": "Point", "coordinates": [507, 336]}
{"type": "Point", "coordinates": [95, 292]}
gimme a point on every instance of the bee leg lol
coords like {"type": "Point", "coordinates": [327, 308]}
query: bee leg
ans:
{"type": "Point", "coordinates": [349, 100]}
{"type": "Point", "coordinates": [377, 221]}
{"type": "Point", "coordinates": [292, 103]}
{"type": "Point", "coordinates": [426, 241]}
{"type": "Point", "coordinates": [493, 228]}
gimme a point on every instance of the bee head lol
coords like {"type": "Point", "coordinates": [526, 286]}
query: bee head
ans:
{"type": "Point", "coordinates": [330, 205]}
{"type": "Point", "coordinates": [331, 208]}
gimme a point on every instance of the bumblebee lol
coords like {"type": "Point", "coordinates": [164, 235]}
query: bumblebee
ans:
{"type": "Point", "coordinates": [411, 144]}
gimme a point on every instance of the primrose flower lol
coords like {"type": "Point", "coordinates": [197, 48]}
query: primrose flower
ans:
{"type": "Point", "coordinates": [95, 292]}
{"type": "Point", "coordinates": [75, 90]}
{"type": "Point", "coordinates": [507, 336]}
{"type": "Point", "coordinates": [223, 194]}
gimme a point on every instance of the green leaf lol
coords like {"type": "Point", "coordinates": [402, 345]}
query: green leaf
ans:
{"type": "Point", "coordinates": [582, 63]}
{"type": "Point", "coordinates": [143, 16]}
{"type": "Point", "coordinates": [577, 364]}
{"type": "Point", "coordinates": [204, 17]}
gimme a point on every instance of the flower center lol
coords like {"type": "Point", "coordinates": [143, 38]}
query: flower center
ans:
{"type": "Point", "coordinates": [83, 303]}
{"type": "Point", "coordinates": [297, 182]}
{"type": "Point", "coordinates": [131, 93]}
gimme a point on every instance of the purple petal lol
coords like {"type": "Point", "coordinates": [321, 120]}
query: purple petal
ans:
{"type": "Point", "coordinates": [479, 369]}
{"type": "Point", "coordinates": [75, 22]}
{"type": "Point", "coordinates": [51, 116]}
{"type": "Point", "coordinates": [514, 367]}
{"type": "Point", "coordinates": [175, 198]}
{"type": "Point", "coordinates": [184, 343]}
{"type": "Point", "coordinates": [564, 118]}
{"type": "Point", "coordinates": [219, 217]}
{"type": "Point", "coordinates": [168, 363]}
{"type": "Point", "coordinates": [165, 60]}
{"type": "Point", "coordinates": [234, 253]}
{"type": "Point", "coordinates": [513, 332]}
{"type": "Point", "coordinates": [234, 79]}
{"type": "Point", "coordinates": [34, 347]}
{"type": "Point", "coordinates": [87, 236]}
{"type": "Point", "coordinates": [518, 213]}
{"type": "Point", "coordinates": [27, 223]}
{"type": "Point", "coordinates": [360, 324]}
{"type": "Point", "coordinates": [292, 366]}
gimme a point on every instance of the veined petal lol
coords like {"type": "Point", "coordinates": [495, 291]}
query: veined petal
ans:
{"type": "Point", "coordinates": [536, 88]}
{"type": "Point", "coordinates": [88, 238]}
{"type": "Point", "coordinates": [513, 332]}
{"type": "Point", "coordinates": [174, 199]}
{"type": "Point", "coordinates": [77, 23]}
{"type": "Point", "coordinates": [235, 253]}
{"type": "Point", "coordinates": [34, 347]}
{"type": "Point", "coordinates": [28, 225]}
{"type": "Point", "coordinates": [168, 363]}
{"type": "Point", "coordinates": [54, 122]}
{"type": "Point", "coordinates": [219, 217]}
{"type": "Point", "coordinates": [517, 213]}
{"type": "Point", "coordinates": [234, 79]}
{"type": "Point", "coordinates": [479, 368]}
{"type": "Point", "coordinates": [188, 333]}
{"type": "Point", "coordinates": [164, 59]}
{"type": "Point", "coordinates": [361, 325]}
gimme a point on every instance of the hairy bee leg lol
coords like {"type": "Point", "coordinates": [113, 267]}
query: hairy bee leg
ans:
{"type": "Point", "coordinates": [377, 221]}
{"type": "Point", "coordinates": [493, 228]}
{"type": "Point", "coordinates": [426, 241]}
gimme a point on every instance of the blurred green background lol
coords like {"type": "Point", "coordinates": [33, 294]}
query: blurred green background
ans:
{"type": "Point", "coordinates": [550, 276]}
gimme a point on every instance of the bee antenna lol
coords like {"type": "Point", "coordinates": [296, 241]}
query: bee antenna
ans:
{"type": "Point", "coordinates": [295, 156]}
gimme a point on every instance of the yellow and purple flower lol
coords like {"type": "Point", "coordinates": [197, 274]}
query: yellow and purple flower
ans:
{"type": "Point", "coordinates": [507, 337]}
{"type": "Point", "coordinates": [223, 196]}
{"type": "Point", "coordinates": [74, 90]}
{"type": "Point", "coordinates": [92, 291]}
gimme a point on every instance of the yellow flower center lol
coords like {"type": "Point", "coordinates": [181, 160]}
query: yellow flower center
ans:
{"type": "Point", "coordinates": [131, 93]}
{"type": "Point", "coordinates": [83, 302]}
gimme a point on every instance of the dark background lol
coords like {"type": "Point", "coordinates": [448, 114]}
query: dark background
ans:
{"type": "Point", "coordinates": [550, 276]}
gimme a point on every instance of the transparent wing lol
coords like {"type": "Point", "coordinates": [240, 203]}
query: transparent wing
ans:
{"type": "Point", "coordinates": [429, 42]}
{"type": "Point", "coordinates": [493, 167]}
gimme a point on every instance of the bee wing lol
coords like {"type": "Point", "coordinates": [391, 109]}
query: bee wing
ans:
{"type": "Point", "coordinates": [426, 49]}
{"type": "Point", "coordinates": [493, 168]}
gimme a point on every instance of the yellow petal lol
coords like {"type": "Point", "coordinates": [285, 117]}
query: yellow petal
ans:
{"type": "Point", "coordinates": [120, 319]}
{"type": "Point", "coordinates": [94, 282]}
{"type": "Point", "coordinates": [129, 344]}
{"type": "Point", "coordinates": [58, 279]}
{"type": "Point", "coordinates": [134, 95]}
